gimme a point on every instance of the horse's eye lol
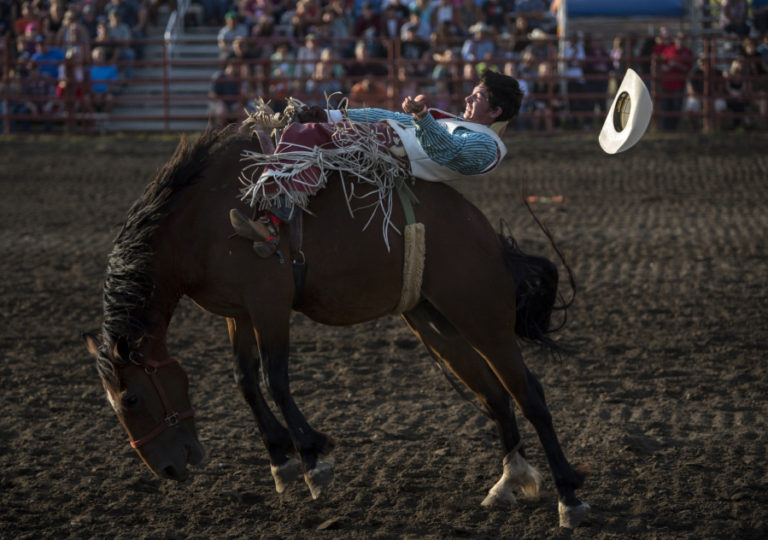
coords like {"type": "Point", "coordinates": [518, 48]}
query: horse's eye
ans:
{"type": "Point", "coordinates": [130, 400]}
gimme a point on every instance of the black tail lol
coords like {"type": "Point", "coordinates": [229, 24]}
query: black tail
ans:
{"type": "Point", "coordinates": [537, 280]}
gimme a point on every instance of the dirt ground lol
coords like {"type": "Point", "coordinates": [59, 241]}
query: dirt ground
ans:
{"type": "Point", "coordinates": [664, 392]}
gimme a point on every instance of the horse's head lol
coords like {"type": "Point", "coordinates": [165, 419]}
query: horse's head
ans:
{"type": "Point", "coordinates": [149, 393]}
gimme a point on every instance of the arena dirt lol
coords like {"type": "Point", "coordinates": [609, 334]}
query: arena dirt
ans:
{"type": "Point", "coordinates": [663, 392]}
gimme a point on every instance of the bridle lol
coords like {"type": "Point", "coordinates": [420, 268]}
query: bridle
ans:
{"type": "Point", "coordinates": [172, 418]}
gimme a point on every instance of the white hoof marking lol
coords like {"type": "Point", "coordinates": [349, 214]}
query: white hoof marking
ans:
{"type": "Point", "coordinates": [501, 493]}
{"type": "Point", "coordinates": [285, 474]}
{"type": "Point", "coordinates": [571, 516]}
{"type": "Point", "coordinates": [319, 478]}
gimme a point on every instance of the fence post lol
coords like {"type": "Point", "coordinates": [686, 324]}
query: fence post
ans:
{"type": "Point", "coordinates": [6, 94]}
{"type": "Point", "coordinates": [166, 88]}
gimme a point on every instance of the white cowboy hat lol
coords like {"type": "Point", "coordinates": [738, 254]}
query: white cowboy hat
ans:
{"type": "Point", "coordinates": [628, 117]}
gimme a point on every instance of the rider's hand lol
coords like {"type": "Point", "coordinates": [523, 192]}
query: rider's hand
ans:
{"type": "Point", "coordinates": [416, 106]}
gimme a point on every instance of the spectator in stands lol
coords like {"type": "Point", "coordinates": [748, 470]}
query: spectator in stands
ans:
{"type": "Point", "coordinates": [31, 31]}
{"type": "Point", "coordinates": [325, 80]}
{"type": "Point", "coordinates": [21, 91]}
{"type": "Point", "coordinates": [618, 61]}
{"type": "Point", "coordinates": [337, 20]}
{"type": "Point", "coordinates": [6, 18]}
{"type": "Point", "coordinates": [547, 105]}
{"type": "Point", "coordinates": [573, 60]}
{"type": "Point", "coordinates": [757, 73]}
{"type": "Point", "coordinates": [305, 18]}
{"type": "Point", "coordinates": [479, 47]}
{"type": "Point", "coordinates": [283, 70]}
{"type": "Point", "coordinates": [104, 81]}
{"type": "Point", "coordinates": [215, 11]}
{"type": "Point", "coordinates": [703, 87]}
{"type": "Point", "coordinates": [414, 50]}
{"type": "Point", "coordinates": [597, 70]}
{"type": "Point", "coordinates": [307, 57]}
{"type": "Point", "coordinates": [763, 50]}
{"type": "Point", "coordinates": [119, 34]}
{"type": "Point", "coordinates": [468, 14]}
{"type": "Point", "coordinates": [497, 13]}
{"type": "Point", "coordinates": [89, 19]}
{"type": "Point", "coordinates": [368, 20]}
{"type": "Point", "coordinates": [73, 34]}
{"type": "Point", "coordinates": [224, 94]}
{"type": "Point", "coordinates": [70, 89]}
{"type": "Point", "coordinates": [520, 32]}
{"type": "Point", "coordinates": [733, 17]}
{"type": "Point", "coordinates": [445, 13]}
{"type": "Point", "coordinates": [29, 16]}
{"type": "Point", "coordinates": [232, 28]}
{"type": "Point", "coordinates": [243, 57]}
{"type": "Point", "coordinates": [421, 15]}
{"type": "Point", "coordinates": [737, 94]}
{"type": "Point", "coordinates": [47, 59]}
{"type": "Point", "coordinates": [675, 64]}
{"type": "Point", "coordinates": [403, 11]}
{"type": "Point", "coordinates": [368, 92]}
{"type": "Point", "coordinates": [537, 12]}
{"type": "Point", "coordinates": [53, 19]}
{"type": "Point", "coordinates": [760, 16]}
{"type": "Point", "coordinates": [363, 65]}
{"type": "Point", "coordinates": [391, 23]}
{"type": "Point", "coordinates": [541, 44]}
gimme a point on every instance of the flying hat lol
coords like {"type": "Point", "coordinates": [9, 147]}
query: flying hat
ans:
{"type": "Point", "coordinates": [628, 117]}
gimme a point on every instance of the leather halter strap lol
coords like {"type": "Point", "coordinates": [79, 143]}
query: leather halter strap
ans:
{"type": "Point", "coordinates": [171, 417]}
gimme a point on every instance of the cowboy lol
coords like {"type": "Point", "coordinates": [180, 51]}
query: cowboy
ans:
{"type": "Point", "coordinates": [439, 146]}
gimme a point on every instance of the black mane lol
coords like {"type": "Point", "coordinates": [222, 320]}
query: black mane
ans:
{"type": "Point", "coordinates": [128, 285]}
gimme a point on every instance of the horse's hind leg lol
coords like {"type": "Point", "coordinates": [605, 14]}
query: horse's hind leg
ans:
{"type": "Point", "coordinates": [284, 465]}
{"type": "Point", "coordinates": [479, 302]}
{"type": "Point", "coordinates": [445, 343]}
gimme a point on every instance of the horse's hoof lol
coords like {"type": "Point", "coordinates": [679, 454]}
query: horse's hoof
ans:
{"type": "Point", "coordinates": [285, 474]}
{"type": "Point", "coordinates": [571, 516]}
{"type": "Point", "coordinates": [319, 478]}
{"type": "Point", "coordinates": [500, 495]}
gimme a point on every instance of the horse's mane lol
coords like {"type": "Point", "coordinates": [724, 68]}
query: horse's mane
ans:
{"type": "Point", "coordinates": [128, 285]}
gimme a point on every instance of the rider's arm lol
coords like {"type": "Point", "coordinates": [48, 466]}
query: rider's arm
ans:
{"type": "Point", "coordinates": [464, 151]}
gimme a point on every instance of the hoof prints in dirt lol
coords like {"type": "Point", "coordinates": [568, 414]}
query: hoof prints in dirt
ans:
{"type": "Point", "coordinates": [664, 397]}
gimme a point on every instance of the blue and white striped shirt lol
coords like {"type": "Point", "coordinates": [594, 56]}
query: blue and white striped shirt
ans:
{"type": "Point", "coordinates": [467, 152]}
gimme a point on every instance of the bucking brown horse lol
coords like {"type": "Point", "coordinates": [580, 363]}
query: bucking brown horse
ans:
{"type": "Point", "coordinates": [177, 240]}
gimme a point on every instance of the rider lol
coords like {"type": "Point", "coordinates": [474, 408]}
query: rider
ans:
{"type": "Point", "coordinates": [439, 146]}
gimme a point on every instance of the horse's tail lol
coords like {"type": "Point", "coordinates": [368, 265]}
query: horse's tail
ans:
{"type": "Point", "coordinates": [536, 279]}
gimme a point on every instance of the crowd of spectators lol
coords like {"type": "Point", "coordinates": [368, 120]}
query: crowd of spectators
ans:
{"type": "Point", "coordinates": [73, 55]}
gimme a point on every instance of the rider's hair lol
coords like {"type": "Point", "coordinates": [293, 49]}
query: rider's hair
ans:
{"type": "Point", "coordinates": [503, 91]}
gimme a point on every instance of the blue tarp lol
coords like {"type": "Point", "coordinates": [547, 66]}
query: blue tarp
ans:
{"type": "Point", "coordinates": [624, 8]}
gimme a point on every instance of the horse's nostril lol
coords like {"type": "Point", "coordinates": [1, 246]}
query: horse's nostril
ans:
{"type": "Point", "coordinates": [173, 473]}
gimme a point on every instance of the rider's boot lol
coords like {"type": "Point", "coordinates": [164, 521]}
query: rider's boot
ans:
{"type": "Point", "coordinates": [262, 232]}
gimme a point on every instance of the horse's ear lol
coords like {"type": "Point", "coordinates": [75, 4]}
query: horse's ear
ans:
{"type": "Point", "coordinates": [92, 342]}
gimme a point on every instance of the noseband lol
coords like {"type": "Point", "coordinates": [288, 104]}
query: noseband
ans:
{"type": "Point", "coordinates": [172, 417]}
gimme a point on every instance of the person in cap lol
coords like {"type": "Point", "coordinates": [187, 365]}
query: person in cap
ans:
{"type": "Point", "coordinates": [435, 145]}
{"type": "Point", "coordinates": [232, 28]}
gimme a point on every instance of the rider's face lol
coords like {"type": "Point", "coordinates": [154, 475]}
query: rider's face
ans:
{"type": "Point", "coordinates": [477, 107]}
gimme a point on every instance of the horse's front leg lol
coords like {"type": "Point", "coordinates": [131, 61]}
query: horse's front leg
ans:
{"type": "Point", "coordinates": [285, 467]}
{"type": "Point", "coordinates": [311, 445]}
